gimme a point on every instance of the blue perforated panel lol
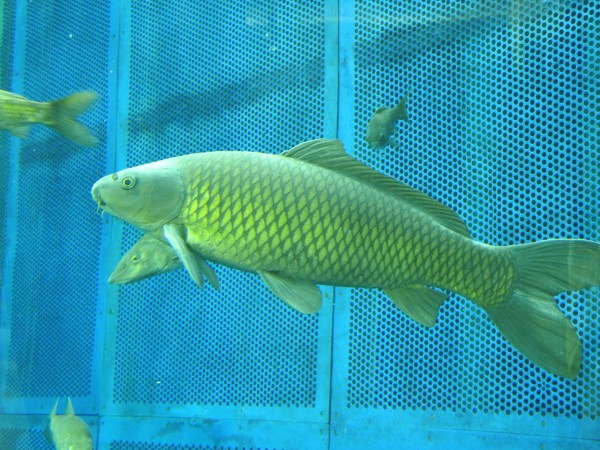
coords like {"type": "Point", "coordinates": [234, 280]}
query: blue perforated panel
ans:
{"type": "Point", "coordinates": [503, 129]}
{"type": "Point", "coordinates": [6, 44]}
{"type": "Point", "coordinates": [236, 347]}
{"type": "Point", "coordinates": [50, 290]}
{"type": "Point", "coordinates": [28, 432]}
{"type": "Point", "coordinates": [196, 434]}
{"type": "Point", "coordinates": [257, 82]}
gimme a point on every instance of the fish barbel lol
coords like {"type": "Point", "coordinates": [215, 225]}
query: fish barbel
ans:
{"type": "Point", "coordinates": [314, 215]}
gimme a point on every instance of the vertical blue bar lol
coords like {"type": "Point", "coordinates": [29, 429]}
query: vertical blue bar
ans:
{"type": "Point", "coordinates": [11, 201]}
{"type": "Point", "coordinates": [331, 30]}
{"type": "Point", "coordinates": [340, 365]}
{"type": "Point", "coordinates": [346, 74]}
{"type": "Point", "coordinates": [330, 130]}
{"type": "Point", "coordinates": [119, 54]}
{"type": "Point", "coordinates": [103, 369]}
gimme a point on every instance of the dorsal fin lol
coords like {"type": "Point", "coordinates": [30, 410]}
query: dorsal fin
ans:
{"type": "Point", "coordinates": [330, 154]}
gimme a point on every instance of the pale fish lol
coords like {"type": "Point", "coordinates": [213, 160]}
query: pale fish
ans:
{"type": "Point", "coordinates": [17, 114]}
{"type": "Point", "coordinates": [69, 432]}
{"type": "Point", "coordinates": [314, 215]}
{"type": "Point", "coordinates": [150, 256]}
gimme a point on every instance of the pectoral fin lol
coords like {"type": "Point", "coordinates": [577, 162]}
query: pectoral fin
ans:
{"type": "Point", "coordinates": [194, 263]}
{"type": "Point", "coordinates": [207, 271]}
{"type": "Point", "coordinates": [418, 302]}
{"type": "Point", "coordinates": [185, 255]}
{"type": "Point", "coordinates": [303, 296]}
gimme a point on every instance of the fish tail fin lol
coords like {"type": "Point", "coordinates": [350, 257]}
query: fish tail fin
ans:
{"type": "Point", "coordinates": [401, 111]}
{"type": "Point", "coordinates": [530, 319]}
{"type": "Point", "coordinates": [64, 113]}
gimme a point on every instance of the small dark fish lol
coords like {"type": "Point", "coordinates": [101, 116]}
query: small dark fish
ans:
{"type": "Point", "coordinates": [383, 124]}
{"type": "Point", "coordinates": [17, 114]}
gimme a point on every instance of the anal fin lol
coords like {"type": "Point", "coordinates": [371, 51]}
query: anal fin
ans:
{"type": "Point", "coordinates": [303, 296]}
{"type": "Point", "coordinates": [418, 302]}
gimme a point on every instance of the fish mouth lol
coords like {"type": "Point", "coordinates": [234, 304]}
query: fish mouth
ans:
{"type": "Point", "coordinates": [97, 198]}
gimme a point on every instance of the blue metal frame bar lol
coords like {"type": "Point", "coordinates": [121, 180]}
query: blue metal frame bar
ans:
{"type": "Point", "coordinates": [12, 405]}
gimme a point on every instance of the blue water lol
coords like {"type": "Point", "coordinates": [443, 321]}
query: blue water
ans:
{"type": "Point", "coordinates": [503, 129]}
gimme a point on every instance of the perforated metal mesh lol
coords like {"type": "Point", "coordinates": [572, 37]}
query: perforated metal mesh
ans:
{"type": "Point", "coordinates": [6, 43]}
{"type": "Point", "coordinates": [255, 81]}
{"type": "Point", "coordinates": [21, 439]}
{"type": "Point", "coordinates": [120, 445]}
{"type": "Point", "coordinates": [503, 128]}
{"type": "Point", "coordinates": [239, 346]}
{"type": "Point", "coordinates": [53, 297]}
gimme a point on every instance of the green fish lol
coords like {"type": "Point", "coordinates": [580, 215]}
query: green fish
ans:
{"type": "Point", "coordinates": [150, 256]}
{"type": "Point", "coordinates": [383, 124]}
{"type": "Point", "coordinates": [69, 432]}
{"type": "Point", "coordinates": [314, 215]}
{"type": "Point", "coordinates": [17, 114]}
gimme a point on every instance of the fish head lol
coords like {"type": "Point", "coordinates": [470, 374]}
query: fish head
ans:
{"type": "Point", "coordinates": [146, 196]}
{"type": "Point", "coordinates": [147, 258]}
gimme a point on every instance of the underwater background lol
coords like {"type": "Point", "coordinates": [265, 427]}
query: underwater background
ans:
{"type": "Point", "coordinates": [503, 128]}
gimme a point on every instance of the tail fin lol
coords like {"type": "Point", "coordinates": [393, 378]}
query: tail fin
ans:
{"type": "Point", "coordinates": [400, 111]}
{"type": "Point", "coordinates": [64, 114]}
{"type": "Point", "coordinates": [530, 319]}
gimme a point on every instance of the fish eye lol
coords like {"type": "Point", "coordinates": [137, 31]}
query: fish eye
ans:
{"type": "Point", "coordinates": [127, 182]}
{"type": "Point", "coordinates": [135, 258]}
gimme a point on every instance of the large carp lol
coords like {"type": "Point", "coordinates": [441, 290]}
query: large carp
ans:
{"type": "Point", "coordinates": [314, 215]}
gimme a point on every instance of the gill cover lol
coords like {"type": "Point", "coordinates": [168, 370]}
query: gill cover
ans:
{"type": "Point", "coordinates": [146, 196]}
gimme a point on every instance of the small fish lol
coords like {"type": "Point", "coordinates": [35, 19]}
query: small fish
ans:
{"type": "Point", "coordinates": [69, 432]}
{"type": "Point", "coordinates": [152, 256]}
{"type": "Point", "coordinates": [315, 215]}
{"type": "Point", "coordinates": [147, 258]}
{"type": "Point", "coordinates": [383, 124]}
{"type": "Point", "coordinates": [17, 114]}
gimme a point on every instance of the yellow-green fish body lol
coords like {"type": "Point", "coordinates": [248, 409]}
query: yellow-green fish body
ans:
{"type": "Point", "coordinates": [69, 432]}
{"type": "Point", "coordinates": [264, 212]}
{"type": "Point", "coordinates": [17, 114]}
{"type": "Point", "coordinates": [314, 215]}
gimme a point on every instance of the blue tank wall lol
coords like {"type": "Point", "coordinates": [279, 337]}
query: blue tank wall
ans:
{"type": "Point", "coordinates": [503, 128]}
